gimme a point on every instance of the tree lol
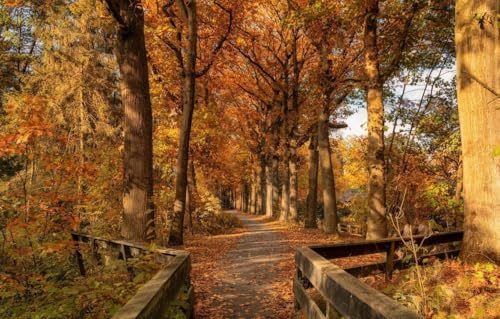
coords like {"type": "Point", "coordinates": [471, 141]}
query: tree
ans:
{"type": "Point", "coordinates": [478, 88]}
{"type": "Point", "coordinates": [377, 224]}
{"type": "Point", "coordinates": [182, 20]}
{"type": "Point", "coordinates": [138, 213]}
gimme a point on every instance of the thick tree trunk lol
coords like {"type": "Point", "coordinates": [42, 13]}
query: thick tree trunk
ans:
{"type": "Point", "coordinates": [325, 161]}
{"type": "Point", "coordinates": [138, 214]}
{"type": "Point", "coordinates": [478, 88]}
{"type": "Point", "coordinates": [176, 236]}
{"type": "Point", "coordinates": [312, 195]}
{"type": "Point", "coordinates": [377, 223]}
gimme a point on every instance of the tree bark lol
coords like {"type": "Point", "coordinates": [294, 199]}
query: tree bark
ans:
{"type": "Point", "coordinates": [478, 87]}
{"type": "Point", "coordinates": [459, 181]}
{"type": "Point", "coordinates": [294, 119]}
{"type": "Point", "coordinates": [176, 234]}
{"type": "Point", "coordinates": [293, 184]}
{"type": "Point", "coordinates": [285, 190]}
{"type": "Point", "coordinates": [253, 191]}
{"type": "Point", "coordinates": [376, 223]}
{"type": "Point", "coordinates": [269, 190]}
{"type": "Point", "coordinates": [325, 161]}
{"type": "Point", "coordinates": [312, 196]}
{"type": "Point", "coordinates": [138, 213]}
{"type": "Point", "coordinates": [293, 181]}
{"type": "Point", "coordinates": [262, 186]}
{"type": "Point", "coordinates": [275, 183]}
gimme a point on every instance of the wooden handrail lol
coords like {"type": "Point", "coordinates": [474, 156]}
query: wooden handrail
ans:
{"type": "Point", "coordinates": [342, 291]}
{"type": "Point", "coordinates": [154, 297]}
{"type": "Point", "coordinates": [364, 247]}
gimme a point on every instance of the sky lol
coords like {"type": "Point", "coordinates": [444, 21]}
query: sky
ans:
{"type": "Point", "coordinates": [358, 120]}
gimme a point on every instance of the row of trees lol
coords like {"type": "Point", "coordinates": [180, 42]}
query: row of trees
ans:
{"type": "Point", "coordinates": [316, 54]}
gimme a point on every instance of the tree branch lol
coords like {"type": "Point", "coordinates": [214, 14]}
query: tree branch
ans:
{"type": "Point", "coordinates": [220, 43]}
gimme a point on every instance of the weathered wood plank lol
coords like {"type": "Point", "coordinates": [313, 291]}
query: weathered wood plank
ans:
{"type": "Point", "coordinates": [134, 249]}
{"type": "Point", "coordinates": [383, 245]}
{"type": "Point", "coordinates": [348, 295]}
{"type": "Point", "coordinates": [308, 305]}
{"type": "Point", "coordinates": [155, 295]}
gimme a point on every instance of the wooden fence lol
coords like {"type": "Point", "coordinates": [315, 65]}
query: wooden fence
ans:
{"type": "Point", "coordinates": [340, 290]}
{"type": "Point", "coordinates": [155, 297]}
{"type": "Point", "coordinates": [355, 230]}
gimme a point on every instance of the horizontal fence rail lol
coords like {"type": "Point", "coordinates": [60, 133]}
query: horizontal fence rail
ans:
{"type": "Point", "coordinates": [352, 229]}
{"type": "Point", "coordinates": [341, 293]}
{"type": "Point", "coordinates": [153, 299]}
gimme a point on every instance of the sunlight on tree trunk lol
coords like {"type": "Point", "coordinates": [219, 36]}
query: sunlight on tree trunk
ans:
{"type": "Point", "coordinates": [176, 236]}
{"type": "Point", "coordinates": [377, 223]}
{"type": "Point", "coordinates": [325, 161]}
{"type": "Point", "coordinates": [269, 190]}
{"type": "Point", "coordinates": [138, 216]}
{"type": "Point", "coordinates": [478, 87]}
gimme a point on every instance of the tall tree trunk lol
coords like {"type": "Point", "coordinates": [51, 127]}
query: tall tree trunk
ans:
{"type": "Point", "coordinates": [294, 119]}
{"type": "Point", "coordinates": [377, 223]}
{"type": "Point", "coordinates": [262, 186]}
{"type": "Point", "coordinates": [138, 214]}
{"type": "Point", "coordinates": [312, 195]}
{"type": "Point", "coordinates": [269, 189]}
{"type": "Point", "coordinates": [253, 191]}
{"type": "Point", "coordinates": [285, 189]}
{"type": "Point", "coordinates": [478, 87]}
{"type": "Point", "coordinates": [293, 181]}
{"type": "Point", "coordinates": [325, 161]}
{"type": "Point", "coordinates": [176, 236]}
{"type": "Point", "coordinates": [324, 151]}
{"type": "Point", "coordinates": [276, 191]}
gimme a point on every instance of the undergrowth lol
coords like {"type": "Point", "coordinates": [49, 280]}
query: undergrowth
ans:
{"type": "Point", "coordinates": [453, 290]}
{"type": "Point", "coordinates": [55, 289]}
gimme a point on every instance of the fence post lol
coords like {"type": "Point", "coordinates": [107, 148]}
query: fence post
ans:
{"type": "Point", "coordinates": [78, 255]}
{"type": "Point", "coordinates": [390, 261]}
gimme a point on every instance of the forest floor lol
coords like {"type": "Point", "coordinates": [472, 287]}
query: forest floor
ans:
{"type": "Point", "coordinates": [248, 273]}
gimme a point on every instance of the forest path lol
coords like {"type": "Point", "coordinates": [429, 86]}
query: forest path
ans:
{"type": "Point", "coordinates": [245, 283]}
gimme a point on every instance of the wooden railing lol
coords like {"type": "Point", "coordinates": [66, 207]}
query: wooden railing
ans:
{"type": "Point", "coordinates": [355, 230]}
{"type": "Point", "coordinates": [339, 289]}
{"type": "Point", "coordinates": [153, 299]}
